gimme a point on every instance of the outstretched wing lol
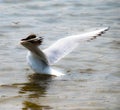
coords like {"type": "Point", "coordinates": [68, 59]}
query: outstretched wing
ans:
{"type": "Point", "coordinates": [65, 45]}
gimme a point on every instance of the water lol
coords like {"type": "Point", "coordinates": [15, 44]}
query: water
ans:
{"type": "Point", "coordinates": [92, 80]}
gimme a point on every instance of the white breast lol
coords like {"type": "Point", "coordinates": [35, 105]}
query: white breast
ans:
{"type": "Point", "coordinates": [39, 66]}
{"type": "Point", "coordinates": [36, 64]}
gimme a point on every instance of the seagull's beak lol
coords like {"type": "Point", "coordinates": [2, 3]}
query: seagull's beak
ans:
{"type": "Point", "coordinates": [22, 42]}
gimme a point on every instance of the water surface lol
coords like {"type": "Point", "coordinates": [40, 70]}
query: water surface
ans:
{"type": "Point", "coordinates": [92, 80]}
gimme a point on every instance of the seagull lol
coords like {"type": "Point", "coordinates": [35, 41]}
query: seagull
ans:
{"type": "Point", "coordinates": [41, 60]}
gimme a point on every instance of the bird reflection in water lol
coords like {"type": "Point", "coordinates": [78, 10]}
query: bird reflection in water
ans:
{"type": "Point", "coordinates": [33, 90]}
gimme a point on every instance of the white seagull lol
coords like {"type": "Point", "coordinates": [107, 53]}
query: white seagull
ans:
{"type": "Point", "coordinates": [41, 60]}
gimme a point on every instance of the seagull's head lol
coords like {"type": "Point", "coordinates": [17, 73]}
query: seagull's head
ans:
{"type": "Point", "coordinates": [31, 41]}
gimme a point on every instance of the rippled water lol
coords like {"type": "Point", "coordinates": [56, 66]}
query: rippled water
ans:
{"type": "Point", "coordinates": [92, 80]}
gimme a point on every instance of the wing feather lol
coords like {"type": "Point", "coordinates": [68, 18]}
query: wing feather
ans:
{"type": "Point", "coordinates": [65, 45]}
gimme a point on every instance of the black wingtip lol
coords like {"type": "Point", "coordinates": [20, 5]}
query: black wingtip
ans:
{"type": "Point", "coordinates": [99, 34]}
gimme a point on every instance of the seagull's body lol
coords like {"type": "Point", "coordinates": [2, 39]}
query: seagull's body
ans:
{"type": "Point", "coordinates": [41, 61]}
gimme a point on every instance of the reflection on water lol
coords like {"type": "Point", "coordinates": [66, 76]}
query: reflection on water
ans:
{"type": "Point", "coordinates": [36, 87]}
{"type": "Point", "coordinates": [33, 106]}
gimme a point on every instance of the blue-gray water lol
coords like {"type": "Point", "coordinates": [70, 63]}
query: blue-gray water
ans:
{"type": "Point", "coordinates": [92, 80]}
